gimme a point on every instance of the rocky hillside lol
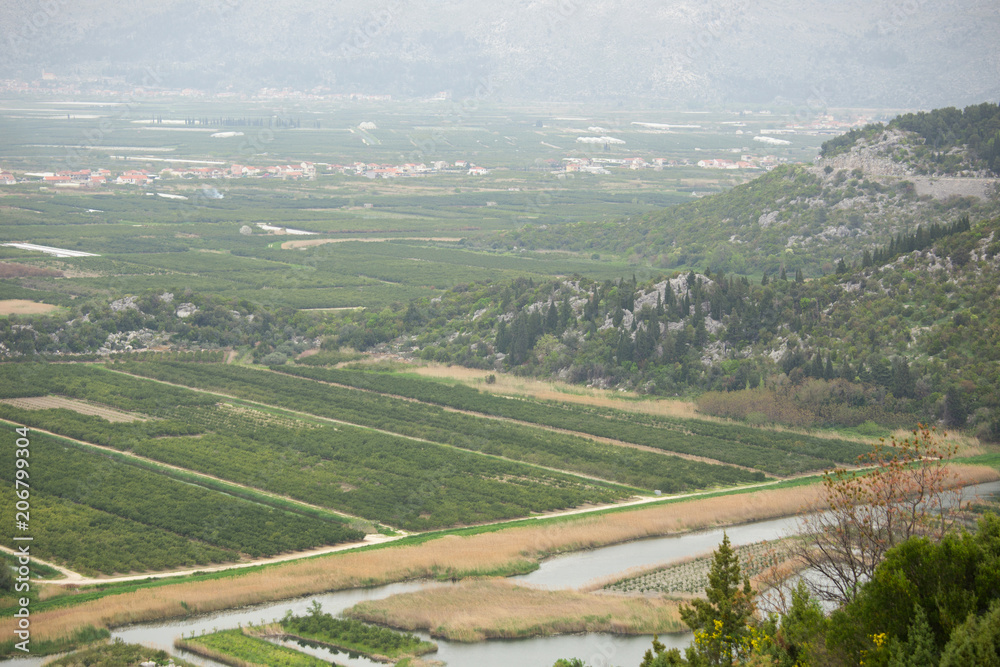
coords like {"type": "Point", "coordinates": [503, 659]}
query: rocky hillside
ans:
{"type": "Point", "coordinates": [903, 326]}
{"type": "Point", "coordinates": [870, 186]}
{"type": "Point", "coordinates": [910, 336]}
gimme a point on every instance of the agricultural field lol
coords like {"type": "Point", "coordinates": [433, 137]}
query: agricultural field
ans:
{"type": "Point", "coordinates": [61, 402]}
{"type": "Point", "coordinates": [489, 436]}
{"type": "Point", "coordinates": [408, 482]}
{"type": "Point", "coordinates": [427, 233]}
{"type": "Point", "coordinates": [691, 576]}
{"type": "Point", "coordinates": [181, 439]}
{"type": "Point", "coordinates": [140, 520]}
{"type": "Point", "coordinates": [774, 452]}
{"type": "Point", "coordinates": [234, 647]}
{"type": "Point", "coordinates": [119, 653]}
{"type": "Point", "coordinates": [352, 635]}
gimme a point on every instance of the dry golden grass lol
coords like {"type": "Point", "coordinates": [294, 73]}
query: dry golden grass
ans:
{"type": "Point", "coordinates": [24, 307]}
{"type": "Point", "coordinates": [510, 385]}
{"type": "Point", "coordinates": [498, 609]}
{"type": "Point", "coordinates": [511, 550]}
{"type": "Point", "coordinates": [966, 445]}
{"type": "Point", "coordinates": [560, 391]}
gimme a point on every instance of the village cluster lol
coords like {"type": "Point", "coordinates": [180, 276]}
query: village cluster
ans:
{"type": "Point", "coordinates": [89, 178]}
{"type": "Point", "coordinates": [602, 165]}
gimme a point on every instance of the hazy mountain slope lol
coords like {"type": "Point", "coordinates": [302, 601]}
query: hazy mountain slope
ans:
{"type": "Point", "coordinates": [811, 53]}
{"type": "Point", "coordinates": [875, 184]}
{"type": "Point", "coordinates": [912, 336]}
{"type": "Point", "coordinates": [912, 332]}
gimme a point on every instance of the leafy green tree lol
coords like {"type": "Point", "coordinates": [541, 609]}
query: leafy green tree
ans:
{"type": "Point", "coordinates": [945, 582]}
{"type": "Point", "coordinates": [975, 642]}
{"type": "Point", "coordinates": [800, 635]}
{"type": "Point", "coordinates": [660, 656]}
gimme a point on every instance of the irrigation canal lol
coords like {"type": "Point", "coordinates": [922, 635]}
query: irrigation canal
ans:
{"type": "Point", "coordinates": [566, 571]}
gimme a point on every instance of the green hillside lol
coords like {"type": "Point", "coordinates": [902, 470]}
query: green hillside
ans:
{"type": "Point", "coordinates": [869, 185]}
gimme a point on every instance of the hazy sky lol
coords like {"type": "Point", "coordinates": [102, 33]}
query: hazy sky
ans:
{"type": "Point", "coordinates": [904, 53]}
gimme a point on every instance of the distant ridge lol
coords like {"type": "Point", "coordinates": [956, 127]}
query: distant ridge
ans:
{"type": "Point", "coordinates": [809, 54]}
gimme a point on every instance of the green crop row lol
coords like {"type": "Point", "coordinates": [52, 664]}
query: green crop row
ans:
{"type": "Point", "coordinates": [232, 647]}
{"type": "Point", "coordinates": [399, 481]}
{"type": "Point", "coordinates": [95, 542]}
{"type": "Point", "coordinates": [774, 452]}
{"type": "Point", "coordinates": [624, 465]}
{"type": "Point", "coordinates": [193, 512]}
{"type": "Point", "coordinates": [355, 635]}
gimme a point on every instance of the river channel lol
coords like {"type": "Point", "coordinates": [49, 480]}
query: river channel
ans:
{"type": "Point", "coordinates": [566, 571]}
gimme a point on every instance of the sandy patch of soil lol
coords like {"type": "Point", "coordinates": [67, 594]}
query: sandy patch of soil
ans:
{"type": "Point", "coordinates": [560, 391]}
{"type": "Point", "coordinates": [288, 245]}
{"type": "Point", "coordinates": [51, 402]}
{"type": "Point", "coordinates": [24, 307]}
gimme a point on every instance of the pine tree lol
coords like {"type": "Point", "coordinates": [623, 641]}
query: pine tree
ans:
{"type": "Point", "coordinates": [721, 624]}
{"type": "Point", "coordinates": [816, 368]}
{"type": "Point", "coordinates": [919, 649]}
{"type": "Point", "coordinates": [551, 318]}
{"type": "Point", "coordinates": [565, 313]}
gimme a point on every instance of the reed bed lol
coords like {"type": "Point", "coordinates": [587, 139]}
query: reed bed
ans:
{"type": "Point", "coordinates": [509, 551]}
{"type": "Point", "coordinates": [494, 608]}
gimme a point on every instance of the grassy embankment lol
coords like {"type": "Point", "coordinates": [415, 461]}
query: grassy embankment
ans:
{"type": "Point", "coordinates": [379, 644]}
{"type": "Point", "coordinates": [233, 647]}
{"type": "Point", "coordinates": [477, 552]}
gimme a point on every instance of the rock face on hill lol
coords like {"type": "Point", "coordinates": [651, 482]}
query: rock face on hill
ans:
{"type": "Point", "coordinates": [874, 159]}
{"type": "Point", "coordinates": [871, 185]}
{"type": "Point", "coordinates": [809, 53]}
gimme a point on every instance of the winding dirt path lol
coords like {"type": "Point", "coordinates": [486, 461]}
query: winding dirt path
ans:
{"type": "Point", "coordinates": [77, 579]}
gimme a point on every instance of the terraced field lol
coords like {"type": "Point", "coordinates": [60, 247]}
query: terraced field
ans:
{"type": "Point", "coordinates": [400, 462]}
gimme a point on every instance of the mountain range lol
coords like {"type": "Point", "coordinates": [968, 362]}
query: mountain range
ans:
{"type": "Point", "coordinates": [809, 54]}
